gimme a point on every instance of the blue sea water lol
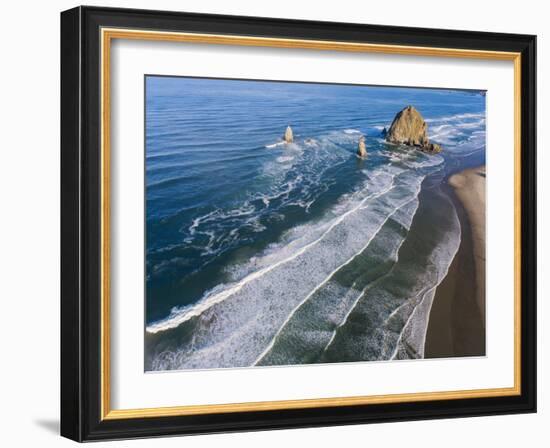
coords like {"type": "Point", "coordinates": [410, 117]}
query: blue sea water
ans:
{"type": "Point", "coordinates": [265, 253]}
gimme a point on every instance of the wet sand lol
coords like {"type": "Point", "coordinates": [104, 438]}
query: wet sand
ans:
{"type": "Point", "coordinates": [457, 319]}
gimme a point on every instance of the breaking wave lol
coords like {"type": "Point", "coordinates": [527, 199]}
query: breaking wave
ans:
{"type": "Point", "coordinates": [261, 252]}
{"type": "Point", "coordinates": [459, 132]}
{"type": "Point", "coordinates": [248, 321]}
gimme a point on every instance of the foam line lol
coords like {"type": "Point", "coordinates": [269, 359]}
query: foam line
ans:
{"type": "Point", "coordinates": [198, 309]}
{"type": "Point", "coordinates": [369, 286]}
{"type": "Point", "coordinates": [272, 343]}
{"type": "Point", "coordinates": [433, 288]}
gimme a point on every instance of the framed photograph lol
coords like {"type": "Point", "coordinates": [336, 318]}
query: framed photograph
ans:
{"type": "Point", "coordinates": [275, 224]}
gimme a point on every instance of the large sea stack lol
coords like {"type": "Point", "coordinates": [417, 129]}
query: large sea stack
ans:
{"type": "Point", "coordinates": [289, 137]}
{"type": "Point", "coordinates": [409, 128]}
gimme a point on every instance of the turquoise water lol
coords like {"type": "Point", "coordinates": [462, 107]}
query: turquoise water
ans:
{"type": "Point", "coordinates": [265, 253]}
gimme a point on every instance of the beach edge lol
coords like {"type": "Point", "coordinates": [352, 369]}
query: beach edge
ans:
{"type": "Point", "coordinates": [456, 323]}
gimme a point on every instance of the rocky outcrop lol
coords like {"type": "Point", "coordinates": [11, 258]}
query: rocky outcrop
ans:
{"type": "Point", "coordinates": [409, 128]}
{"type": "Point", "coordinates": [433, 148]}
{"type": "Point", "coordinates": [362, 147]}
{"type": "Point", "coordinates": [289, 136]}
{"type": "Point", "coordinates": [384, 132]}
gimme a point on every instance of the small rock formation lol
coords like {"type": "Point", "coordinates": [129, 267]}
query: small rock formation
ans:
{"type": "Point", "coordinates": [409, 128]}
{"type": "Point", "coordinates": [361, 147]}
{"type": "Point", "coordinates": [289, 137]}
{"type": "Point", "coordinates": [432, 148]}
{"type": "Point", "coordinates": [384, 132]}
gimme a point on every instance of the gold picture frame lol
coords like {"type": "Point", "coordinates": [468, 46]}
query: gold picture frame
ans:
{"type": "Point", "coordinates": [108, 30]}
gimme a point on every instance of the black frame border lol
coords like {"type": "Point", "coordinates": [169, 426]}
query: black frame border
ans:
{"type": "Point", "coordinates": [81, 223]}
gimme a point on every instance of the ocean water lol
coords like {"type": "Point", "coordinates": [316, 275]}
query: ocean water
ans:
{"type": "Point", "coordinates": [265, 253]}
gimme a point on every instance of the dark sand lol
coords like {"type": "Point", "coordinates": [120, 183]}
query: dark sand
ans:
{"type": "Point", "coordinates": [457, 319]}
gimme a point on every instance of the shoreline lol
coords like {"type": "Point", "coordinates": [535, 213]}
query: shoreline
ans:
{"type": "Point", "coordinates": [456, 324]}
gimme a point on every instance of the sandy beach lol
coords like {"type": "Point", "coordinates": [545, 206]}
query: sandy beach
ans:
{"type": "Point", "coordinates": [457, 318]}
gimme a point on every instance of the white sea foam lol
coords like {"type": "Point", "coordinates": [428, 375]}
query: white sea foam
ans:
{"type": "Point", "coordinates": [284, 159]}
{"type": "Point", "coordinates": [274, 145]}
{"type": "Point", "coordinates": [236, 322]}
{"type": "Point", "coordinates": [413, 335]}
{"type": "Point", "coordinates": [312, 329]}
{"type": "Point", "coordinates": [329, 276]}
{"type": "Point", "coordinates": [458, 117]}
{"type": "Point", "coordinates": [293, 178]}
{"type": "Point", "coordinates": [287, 177]}
{"type": "Point", "coordinates": [401, 333]}
{"type": "Point", "coordinates": [213, 299]}
{"type": "Point", "coordinates": [406, 221]}
{"type": "Point", "coordinates": [456, 130]}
